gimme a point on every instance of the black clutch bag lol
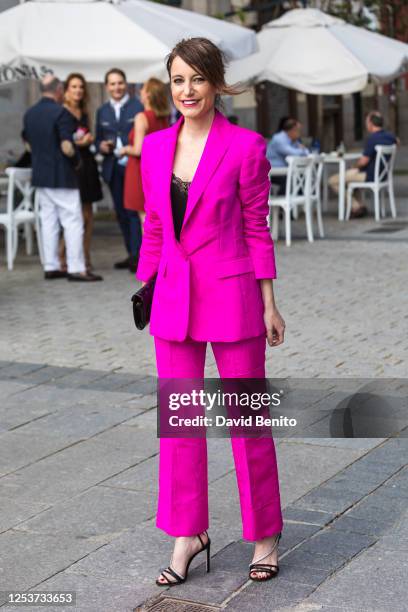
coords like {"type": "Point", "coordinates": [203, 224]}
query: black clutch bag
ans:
{"type": "Point", "coordinates": [142, 304]}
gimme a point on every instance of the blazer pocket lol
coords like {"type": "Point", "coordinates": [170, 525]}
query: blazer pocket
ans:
{"type": "Point", "coordinates": [233, 267]}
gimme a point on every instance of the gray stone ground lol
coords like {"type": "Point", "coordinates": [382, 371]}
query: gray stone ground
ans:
{"type": "Point", "coordinates": [78, 446]}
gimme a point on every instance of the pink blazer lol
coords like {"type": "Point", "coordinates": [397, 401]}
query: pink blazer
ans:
{"type": "Point", "coordinates": [207, 284]}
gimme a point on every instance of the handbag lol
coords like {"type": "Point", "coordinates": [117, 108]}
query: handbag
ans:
{"type": "Point", "coordinates": [142, 304]}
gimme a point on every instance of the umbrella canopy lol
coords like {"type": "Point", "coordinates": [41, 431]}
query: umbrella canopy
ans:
{"type": "Point", "coordinates": [316, 53]}
{"type": "Point", "coordinates": [93, 35]}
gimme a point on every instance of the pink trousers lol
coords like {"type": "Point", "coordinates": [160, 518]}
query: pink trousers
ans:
{"type": "Point", "coordinates": [183, 476]}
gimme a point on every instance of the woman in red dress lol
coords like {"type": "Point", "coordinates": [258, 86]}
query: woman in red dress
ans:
{"type": "Point", "coordinates": [155, 116]}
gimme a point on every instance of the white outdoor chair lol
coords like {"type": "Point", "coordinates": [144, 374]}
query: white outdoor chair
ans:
{"type": "Point", "coordinates": [383, 179]}
{"type": "Point", "coordinates": [316, 189]}
{"type": "Point", "coordinates": [19, 180]}
{"type": "Point", "coordinates": [298, 193]}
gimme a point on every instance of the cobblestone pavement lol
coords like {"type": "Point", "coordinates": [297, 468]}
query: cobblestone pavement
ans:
{"type": "Point", "coordinates": [78, 452]}
{"type": "Point", "coordinates": [341, 297]}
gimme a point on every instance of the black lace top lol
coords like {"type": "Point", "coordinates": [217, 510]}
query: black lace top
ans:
{"type": "Point", "coordinates": [178, 193]}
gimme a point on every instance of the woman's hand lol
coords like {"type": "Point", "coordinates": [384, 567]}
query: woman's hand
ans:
{"type": "Point", "coordinates": [88, 139]}
{"type": "Point", "coordinates": [85, 141]}
{"type": "Point", "coordinates": [275, 326]}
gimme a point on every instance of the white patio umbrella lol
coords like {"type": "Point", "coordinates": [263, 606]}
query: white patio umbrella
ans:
{"type": "Point", "coordinates": [316, 53]}
{"type": "Point", "coordinates": [94, 35]}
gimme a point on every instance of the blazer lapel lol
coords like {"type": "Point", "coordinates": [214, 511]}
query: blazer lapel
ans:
{"type": "Point", "coordinates": [218, 141]}
{"type": "Point", "coordinates": [111, 111]}
{"type": "Point", "coordinates": [166, 169]}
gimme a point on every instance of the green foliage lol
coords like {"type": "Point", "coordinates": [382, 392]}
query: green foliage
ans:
{"type": "Point", "coordinates": [241, 15]}
{"type": "Point", "coordinates": [349, 10]}
{"type": "Point", "coordinates": [392, 15]}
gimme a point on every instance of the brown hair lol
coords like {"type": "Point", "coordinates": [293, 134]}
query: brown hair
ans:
{"type": "Point", "coordinates": [209, 61]}
{"type": "Point", "coordinates": [84, 102]}
{"type": "Point", "coordinates": [118, 71]}
{"type": "Point", "coordinates": [376, 118]}
{"type": "Point", "coordinates": [158, 97]}
{"type": "Point", "coordinates": [289, 124]}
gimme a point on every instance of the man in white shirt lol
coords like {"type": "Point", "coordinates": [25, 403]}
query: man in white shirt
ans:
{"type": "Point", "coordinates": [114, 120]}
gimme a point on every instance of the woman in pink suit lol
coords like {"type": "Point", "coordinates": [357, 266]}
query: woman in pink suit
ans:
{"type": "Point", "coordinates": [206, 237]}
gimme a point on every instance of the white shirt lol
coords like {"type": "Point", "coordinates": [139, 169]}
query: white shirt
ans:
{"type": "Point", "coordinates": [280, 146]}
{"type": "Point", "coordinates": [117, 105]}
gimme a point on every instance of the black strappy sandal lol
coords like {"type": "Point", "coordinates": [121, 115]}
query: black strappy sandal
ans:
{"type": "Point", "coordinates": [179, 579]}
{"type": "Point", "coordinates": [268, 568]}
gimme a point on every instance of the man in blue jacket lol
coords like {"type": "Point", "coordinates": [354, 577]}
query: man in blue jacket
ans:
{"type": "Point", "coordinates": [114, 120]}
{"type": "Point", "coordinates": [48, 131]}
{"type": "Point", "coordinates": [364, 170]}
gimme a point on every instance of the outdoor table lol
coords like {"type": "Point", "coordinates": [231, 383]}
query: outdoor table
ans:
{"type": "Point", "coordinates": [341, 160]}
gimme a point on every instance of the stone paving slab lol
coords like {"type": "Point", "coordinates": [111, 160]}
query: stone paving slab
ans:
{"type": "Point", "coordinates": [364, 444]}
{"type": "Point", "coordinates": [14, 414]}
{"type": "Point", "coordinates": [272, 595]}
{"type": "Point", "coordinates": [310, 517]}
{"type": "Point", "coordinates": [47, 374]}
{"type": "Point", "coordinates": [78, 467]}
{"type": "Point", "coordinates": [375, 580]}
{"type": "Point", "coordinates": [81, 516]}
{"type": "Point", "coordinates": [9, 388]}
{"type": "Point", "coordinates": [76, 423]}
{"type": "Point", "coordinates": [93, 594]}
{"type": "Point", "coordinates": [32, 557]}
{"type": "Point", "coordinates": [213, 588]}
{"type": "Point", "coordinates": [12, 512]}
{"type": "Point", "coordinates": [5, 364]}
{"type": "Point", "coordinates": [134, 555]}
{"type": "Point", "coordinates": [332, 540]}
{"type": "Point", "coordinates": [19, 448]}
{"type": "Point", "coordinates": [57, 398]}
{"type": "Point", "coordinates": [19, 370]}
{"type": "Point", "coordinates": [320, 467]}
{"type": "Point", "coordinates": [146, 418]}
{"type": "Point", "coordinates": [80, 378]}
{"type": "Point", "coordinates": [142, 477]}
{"type": "Point", "coordinates": [98, 380]}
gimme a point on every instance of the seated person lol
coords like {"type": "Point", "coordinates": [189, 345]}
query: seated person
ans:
{"type": "Point", "coordinates": [364, 170]}
{"type": "Point", "coordinates": [282, 144]}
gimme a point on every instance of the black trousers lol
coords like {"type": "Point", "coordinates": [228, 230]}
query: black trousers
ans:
{"type": "Point", "coordinates": [281, 182]}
